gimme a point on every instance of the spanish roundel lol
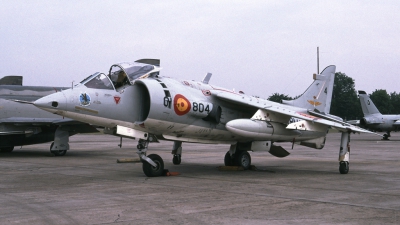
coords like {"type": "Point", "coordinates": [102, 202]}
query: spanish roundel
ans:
{"type": "Point", "coordinates": [181, 105]}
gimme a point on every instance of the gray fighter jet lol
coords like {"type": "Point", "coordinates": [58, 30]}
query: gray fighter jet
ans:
{"type": "Point", "coordinates": [24, 124]}
{"type": "Point", "coordinates": [374, 120]}
{"type": "Point", "coordinates": [133, 100]}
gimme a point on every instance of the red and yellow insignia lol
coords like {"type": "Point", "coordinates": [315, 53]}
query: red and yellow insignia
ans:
{"type": "Point", "coordinates": [206, 92]}
{"type": "Point", "coordinates": [181, 105]}
{"type": "Point", "coordinates": [314, 103]}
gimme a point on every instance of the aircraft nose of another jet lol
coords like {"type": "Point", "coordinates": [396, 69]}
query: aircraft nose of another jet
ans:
{"type": "Point", "coordinates": [52, 103]}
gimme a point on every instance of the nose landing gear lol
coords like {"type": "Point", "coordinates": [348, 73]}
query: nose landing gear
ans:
{"type": "Point", "coordinates": [153, 165]}
{"type": "Point", "coordinates": [153, 171]}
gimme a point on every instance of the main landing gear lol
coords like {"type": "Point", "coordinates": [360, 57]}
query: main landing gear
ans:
{"type": "Point", "coordinates": [386, 136]}
{"type": "Point", "coordinates": [237, 157]}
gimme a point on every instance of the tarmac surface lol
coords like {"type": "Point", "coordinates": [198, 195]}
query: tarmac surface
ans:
{"type": "Point", "coordinates": [88, 186]}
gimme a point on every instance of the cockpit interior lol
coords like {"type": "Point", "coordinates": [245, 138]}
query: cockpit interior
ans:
{"type": "Point", "coordinates": [123, 74]}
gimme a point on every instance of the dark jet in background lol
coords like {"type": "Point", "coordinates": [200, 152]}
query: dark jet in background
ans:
{"type": "Point", "coordinates": [374, 120]}
{"type": "Point", "coordinates": [24, 124]}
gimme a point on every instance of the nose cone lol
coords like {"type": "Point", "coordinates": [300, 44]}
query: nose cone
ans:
{"type": "Point", "coordinates": [54, 103]}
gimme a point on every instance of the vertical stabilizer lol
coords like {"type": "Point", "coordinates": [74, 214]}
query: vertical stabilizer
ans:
{"type": "Point", "coordinates": [318, 96]}
{"type": "Point", "coordinates": [11, 80]}
{"type": "Point", "coordinates": [368, 107]}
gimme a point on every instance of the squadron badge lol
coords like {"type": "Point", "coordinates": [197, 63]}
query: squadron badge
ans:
{"type": "Point", "coordinates": [84, 99]}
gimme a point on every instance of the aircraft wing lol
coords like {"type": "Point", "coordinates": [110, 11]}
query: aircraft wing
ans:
{"type": "Point", "coordinates": [397, 123]}
{"type": "Point", "coordinates": [354, 122]}
{"type": "Point", "coordinates": [38, 121]}
{"type": "Point", "coordinates": [282, 113]}
{"type": "Point", "coordinates": [72, 125]}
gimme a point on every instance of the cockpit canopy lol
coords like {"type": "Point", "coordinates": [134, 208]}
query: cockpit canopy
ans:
{"type": "Point", "coordinates": [122, 74]}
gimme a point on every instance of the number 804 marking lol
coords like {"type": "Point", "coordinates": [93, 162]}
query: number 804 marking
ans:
{"type": "Point", "coordinates": [199, 107]}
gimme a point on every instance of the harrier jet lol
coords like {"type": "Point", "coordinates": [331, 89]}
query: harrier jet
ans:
{"type": "Point", "coordinates": [133, 100]}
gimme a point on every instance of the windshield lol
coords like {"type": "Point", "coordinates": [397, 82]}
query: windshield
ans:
{"type": "Point", "coordinates": [98, 81]}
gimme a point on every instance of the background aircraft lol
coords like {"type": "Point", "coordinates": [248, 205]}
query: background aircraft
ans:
{"type": "Point", "coordinates": [374, 120]}
{"type": "Point", "coordinates": [134, 101]}
{"type": "Point", "coordinates": [24, 124]}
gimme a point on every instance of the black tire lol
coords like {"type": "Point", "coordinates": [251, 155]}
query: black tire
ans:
{"type": "Point", "coordinates": [7, 149]}
{"type": "Point", "coordinates": [243, 159]}
{"type": "Point", "coordinates": [385, 137]}
{"type": "Point", "coordinates": [228, 161]}
{"type": "Point", "coordinates": [151, 171]}
{"type": "Point", "coordinates": [176, 160]}
{"type": "Point", "coordinates": [57, 152]}
{"type": "Point", "coordinates": [344, 167]}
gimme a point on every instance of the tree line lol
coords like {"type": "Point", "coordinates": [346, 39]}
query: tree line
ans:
{"type": "Point", "coordinates": [345, 102]}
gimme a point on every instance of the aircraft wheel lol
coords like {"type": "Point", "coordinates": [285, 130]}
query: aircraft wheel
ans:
{"type": "Point", "coordinates": [228, 159]}
{"type": "Point", "coordinates": [7, 149]}
{"type": "Point", "coordinates": [344, 167]}
{"type": "Point", "coordinates": [57, 152]}
{"type": "Point", "coordinates": [385, 137]}
{"type": "Point", "coordinates": [243, 159]}
{"type": "Point", "coordinates": [152, 171]}
{"type": "Point", "coordinates": [176, 159]}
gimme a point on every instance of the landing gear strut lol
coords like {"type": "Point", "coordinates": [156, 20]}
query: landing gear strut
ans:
{"type": "Point", "coordinates": [344, 153]}
{"type": "Point", "coordinates": [153, 165]}
{"type": "Point", "coordinates": [177, 152]}
{"type": "Point", "coordinates": [60, 145]}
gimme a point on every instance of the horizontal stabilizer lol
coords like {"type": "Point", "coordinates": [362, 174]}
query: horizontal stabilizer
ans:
{"type": "Point", "coordinates": [354, 122]}
{"type": "Point", "coordinates": [278, 151]}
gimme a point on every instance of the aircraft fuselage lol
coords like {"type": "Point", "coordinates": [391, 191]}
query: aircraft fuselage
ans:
{"type": "Point", "coordinates": [379, 122]}
{"type": "Point", "coordinates": [174, 110]}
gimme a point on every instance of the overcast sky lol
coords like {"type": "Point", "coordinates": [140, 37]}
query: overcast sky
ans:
{"type": "Point", "coordinates": [259, 47]}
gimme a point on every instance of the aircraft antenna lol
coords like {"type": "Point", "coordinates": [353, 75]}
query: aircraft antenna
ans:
{"type": "Point", "coordinates": [317, 60]}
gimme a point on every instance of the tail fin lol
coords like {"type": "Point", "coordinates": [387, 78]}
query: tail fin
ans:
{"type": "Point", "coordinates": [368, 107]}
{"type": "Point", "coordinates": [318, 96]}
{"type": "Point", "coordinates": [11, 80]}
